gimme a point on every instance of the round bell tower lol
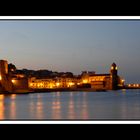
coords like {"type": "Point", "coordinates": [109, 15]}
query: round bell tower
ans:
{"type": "Point", "coordinates": [114, 76]}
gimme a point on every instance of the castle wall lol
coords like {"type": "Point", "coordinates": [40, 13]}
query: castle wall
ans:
{"type": "Point", "coordinates": [19, 84]}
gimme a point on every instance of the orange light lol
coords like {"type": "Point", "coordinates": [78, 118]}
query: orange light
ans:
{"type": "Point", "coordinates": [1, 97]}
{"type": "Point", "coordinates": [13, 96]}
{"type": "Point", "coordinates": [57, 84]}
{"type": "Point", "coordinates": [85, 81]}
{"type": "Point", "coordinates": [31, 84]}
{"type": "Point", "coordinates": [78, 83]}
{"type": "Point", "coordinates": [0, 77]}
{"type": "Point", "coordinates": [13, 81]}
{"type": "Point", "coordinates": [71, 84]}
{"type": "Point", "coordinates": [51, 85]}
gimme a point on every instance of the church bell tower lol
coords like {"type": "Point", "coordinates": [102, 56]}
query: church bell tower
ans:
{"type": "Point", "coordinates": [114, 77]}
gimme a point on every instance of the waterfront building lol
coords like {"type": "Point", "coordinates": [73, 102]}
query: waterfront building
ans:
{"type": "Point", "coordinates": [9, 80]}
{"type": "Point", "coordinates": [12, 80]}
{"type": "Point", "coordinates": [109, 81]}
{"type": "Point", "coordinates": [60, 82]}
{"type": "Point", "coordinates": [34, 83]}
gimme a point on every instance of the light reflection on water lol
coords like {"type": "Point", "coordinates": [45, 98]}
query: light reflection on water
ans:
{"type": "Point", "coordinates": [71, 112]}
{"type": "Point", "coordinates": [13, 106]}
{"type": "Point", "coordinates": [56, 108]}
{"type": "Point", "coordinates": [123, 104]}
{"type": "Point", "coordinates": [1, 106]}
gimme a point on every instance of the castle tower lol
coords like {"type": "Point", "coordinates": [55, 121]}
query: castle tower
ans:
{"type": "Point", "coordinates": [3, 67]}
{"type": "Point", "coordinates": [114, 77]}
{"type": "Point", "coordinates": [5, 81]}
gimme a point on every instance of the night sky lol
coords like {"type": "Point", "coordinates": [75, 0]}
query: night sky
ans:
{"type": "Point", "coordinates": [73, 45]}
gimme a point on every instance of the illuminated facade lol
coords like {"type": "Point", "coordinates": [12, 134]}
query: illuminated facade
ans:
{"type": "Point", "coordinates": [109, 81]}
{"type": "Point", "coordinates": [11, 80]}
{"type": "Point", "coordinates": [52, 83]}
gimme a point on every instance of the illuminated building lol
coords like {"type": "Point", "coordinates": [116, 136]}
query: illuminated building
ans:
{"type": "Point", "coordinates": [40, 83]}
{"type": "Point", "coordinates": [12, 80]}
{"type": "Point", "coordinates": [108, 81]}
{"type": "Point", "coordinates": [9, 81]}
{"type": "Point", "coordinates": [60, 82]}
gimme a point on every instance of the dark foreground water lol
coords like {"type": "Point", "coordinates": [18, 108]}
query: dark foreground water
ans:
{"type": "Point", "coordinates": [122, 104]}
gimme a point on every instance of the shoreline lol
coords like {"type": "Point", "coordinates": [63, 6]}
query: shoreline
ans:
{"type": "Point", "coordinates": [28, 91]}
{"type": "Point", "coordinates": [68, 90]}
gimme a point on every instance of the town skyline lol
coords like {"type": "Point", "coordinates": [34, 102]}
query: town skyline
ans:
{"type": "Point", "coordinates": [73, 45]}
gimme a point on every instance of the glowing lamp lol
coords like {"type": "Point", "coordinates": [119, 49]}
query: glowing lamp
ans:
{"type": "Point", "coordinates": [57, 84]}
{"type": "Point", "coordinates": [112, 68]}
{"type": "Point", "coordinates": [13, 81]}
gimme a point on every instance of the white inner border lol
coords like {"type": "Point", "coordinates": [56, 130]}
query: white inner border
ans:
{"type": "Point", "coordinates": [69, 122]}
{"type": "Point", "coordinates": [68, 17]}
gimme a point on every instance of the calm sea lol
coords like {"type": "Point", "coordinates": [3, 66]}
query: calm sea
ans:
{"type": "Point", "coordinates": [122, 104]}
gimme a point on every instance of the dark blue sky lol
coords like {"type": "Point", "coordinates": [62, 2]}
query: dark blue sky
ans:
{"type": "Point", "coordinates": [73, 45]}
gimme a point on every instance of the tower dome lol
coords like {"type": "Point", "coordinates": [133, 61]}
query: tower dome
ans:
{"type": "Point", "coordinates": [114, 66]}
{"type": "Point", "coordinates": [114, 76]}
